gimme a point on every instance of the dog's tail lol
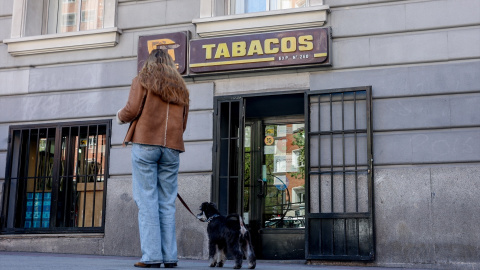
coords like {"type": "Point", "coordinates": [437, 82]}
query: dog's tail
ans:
{"type": "Point", "coordinates": [243, 229]}
{"type": "Point", "coordinates": [246, 244]}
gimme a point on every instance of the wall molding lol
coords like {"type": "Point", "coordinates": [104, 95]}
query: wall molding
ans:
{"type": "Point", "coordinates": [99, 38]}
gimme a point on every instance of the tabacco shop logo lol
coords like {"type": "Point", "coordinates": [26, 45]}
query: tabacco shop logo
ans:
{"type": "Point", "coordinates": [256, 47]}
{"type": "Point", "coordinates": [174, 43]}
{"type": "Point", "coordinates": [164, 44]}
{"type": "Point", "coordinates": [308, 46]}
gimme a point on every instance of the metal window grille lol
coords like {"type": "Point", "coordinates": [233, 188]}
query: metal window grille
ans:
{"type": "Point", "coordinates": [55, 178]}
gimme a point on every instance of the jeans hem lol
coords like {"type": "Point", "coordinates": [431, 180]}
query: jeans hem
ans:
{"type": "Point", "coordinates": [151, 262]}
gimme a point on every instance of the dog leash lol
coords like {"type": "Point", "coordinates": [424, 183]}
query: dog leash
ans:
{"type": "Point", "coordinates": [186, 206]}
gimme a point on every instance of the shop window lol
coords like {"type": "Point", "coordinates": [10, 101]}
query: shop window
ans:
{"type": "Point", "coordinates": [40, 26]}
{"type": "Point", "coordinates": [56, 178]}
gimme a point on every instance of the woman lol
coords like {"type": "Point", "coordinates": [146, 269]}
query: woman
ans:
{"type": "Point", "coordinates": [157, 108]}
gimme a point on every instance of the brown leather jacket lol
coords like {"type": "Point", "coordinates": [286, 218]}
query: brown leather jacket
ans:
{"type": "Point", "coordinates": [153, 121]}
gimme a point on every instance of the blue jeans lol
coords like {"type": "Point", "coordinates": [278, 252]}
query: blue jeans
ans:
{"type": "Point", "coordinates": [155, 170]}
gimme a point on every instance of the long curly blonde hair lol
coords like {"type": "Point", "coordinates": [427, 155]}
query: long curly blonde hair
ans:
{"type": "Point", "coordinates": [160, 76]}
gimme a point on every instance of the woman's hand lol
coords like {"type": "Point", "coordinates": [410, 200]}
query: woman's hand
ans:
{"type": "Point", "coordinates": [120, 122]}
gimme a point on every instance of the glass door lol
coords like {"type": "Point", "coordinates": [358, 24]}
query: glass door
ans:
{"type": "Point", "coordinates": [274, 186]}
{"type": "Point", "coordinates": [283, 176]}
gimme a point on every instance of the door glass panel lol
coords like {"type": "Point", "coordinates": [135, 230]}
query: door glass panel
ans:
{"type": "Point", "coordinates": [283, 175]}
{"type": "Point", "coordinates": [247, 183]}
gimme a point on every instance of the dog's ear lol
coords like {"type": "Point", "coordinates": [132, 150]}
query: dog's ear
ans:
{"type": "Point", "coordinates": [213, 205]}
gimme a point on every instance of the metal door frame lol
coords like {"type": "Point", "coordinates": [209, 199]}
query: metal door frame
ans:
{"type": "Point", "coordinates": [223, 162]}
{"type": "Point", "coordinates": [224, 203]}
{"type": "Point", "coordinates": [323, 226]}
{"type": "Point", "coordinates": [216, 158]}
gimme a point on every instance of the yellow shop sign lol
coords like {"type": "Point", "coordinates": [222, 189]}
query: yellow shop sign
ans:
{"type": "Point", "coordinates": [267, 50]}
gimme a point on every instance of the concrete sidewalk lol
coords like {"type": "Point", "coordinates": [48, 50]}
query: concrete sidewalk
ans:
{"type": "Point", "coordinates": [49, 261]}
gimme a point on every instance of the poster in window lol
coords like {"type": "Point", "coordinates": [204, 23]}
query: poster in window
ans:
{"type": "Point", "coordinates": [279, 164]}
{"type": "Point", "coordinates": [39, 209]}
{"type": "Point", "coordinates": [281, 131]}
{"type": "Point", "coordinates": [281, 147]}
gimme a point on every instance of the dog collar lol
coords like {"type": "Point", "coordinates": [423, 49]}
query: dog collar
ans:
{"type": "Point", "coordinates": [212, 217]}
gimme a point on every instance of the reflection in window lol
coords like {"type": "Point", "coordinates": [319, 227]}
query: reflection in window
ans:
{"type": "Point", "coordinates": [247, 183]}
{"type": "Point", "coordinates": [69, 19]}
{"type": "Point", "coordinates": [248, 6]}
{"type": "Point", "coordinates": [284, 173]}
{"type": "Point", "coordinates": [76, 15]}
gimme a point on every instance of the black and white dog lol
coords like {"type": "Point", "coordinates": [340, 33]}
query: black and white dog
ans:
{"type": "Point", "coordinates": [226, 233]}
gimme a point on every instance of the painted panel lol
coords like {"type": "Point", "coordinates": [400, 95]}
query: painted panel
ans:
{"type": "Point", "coordinates": [5, 26]}
{"type": "Point", "coordinates": [199, 128]}
{"type": "Point", "coordinates": [408, 48]}
{"type": "Point", "coordinates": [354, 18]}
{"type": "Point", "coordinates": [201, 96]}
{"type": "Point", "coordinates": [141, 14]}
{"type": "Point", "coordinates": [366, 20]}
{"type": "Point", "coordinates": [62, 106]}
{"type": "Point", "coordinates": [435, 146]}
{"type": "Point", "coordinates": [351, 52]}
{"type": "Point", "coordinates": [461, 43]}
{"type": "Point", "coordinates": [6, 7]}
{"type": "Point", "coordinates": [427, 112]}
{"type": "Point", "coordinates": [405, 49]}
{"type": "Point", "coordinates": [440, 14]}
{"type": "Point", "coordinates": [4, 137]}
{"type": "Point", "coordinates": [118, 132]}
{"type": "Point", "coordinates": [197, 157]}
{"type": "Point", "coordinates": [465, 109]}
{"type": "Point", "coordinates": [3, 162]}
{"type": "Point", "coordinates": [182, 11]}
{"type": "Point", "coordinates": [399, 81]}
{"type": "Point", "coordinates": [120, 161]}
{"type": "Point", "coordinates": [190, 161]}
{"type": "Point", "coordinates": [14, 82]}
{"type": "Point", "coordinates": [84, 76]}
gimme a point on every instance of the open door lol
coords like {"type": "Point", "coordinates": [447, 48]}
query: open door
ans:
{"type": "Point", "coordinates": [228, 155]}
{"type": "Point", "coordinates": [259, 169]}
{"type": "Point", "coordinates": [339, 222]}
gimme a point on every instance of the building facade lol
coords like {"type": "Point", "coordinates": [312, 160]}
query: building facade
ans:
{"type": "Point", "coordinates": [341, 130]}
